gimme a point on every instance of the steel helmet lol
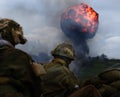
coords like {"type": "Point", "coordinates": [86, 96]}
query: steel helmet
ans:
{"type": "Point", "coordinates": [65, 50]}
{"type": "Point", "coordinates": [11, 31]}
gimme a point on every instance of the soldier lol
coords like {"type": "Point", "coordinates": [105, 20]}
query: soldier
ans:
{"type": "Point", "coordinates": [17, 77]}
{"type": "Point", "coordinates": [59, 80]}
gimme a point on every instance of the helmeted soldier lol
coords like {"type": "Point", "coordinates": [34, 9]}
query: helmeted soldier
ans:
{"type": "Point", "coordinates": [17, 77]}
{"type": "Point", "coordinates": [11, 32]}
{"type": "Point", "coordinates": [59, 80]}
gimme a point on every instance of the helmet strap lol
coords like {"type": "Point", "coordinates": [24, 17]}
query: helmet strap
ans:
{"type": "Point", "coordinates": [15, 37]}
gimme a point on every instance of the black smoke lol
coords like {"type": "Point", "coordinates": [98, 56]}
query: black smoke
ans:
{"type": "Point", "coordinates": [74, 31]}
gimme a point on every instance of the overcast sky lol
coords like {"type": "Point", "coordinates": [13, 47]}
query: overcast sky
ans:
{"type": "Point", "coordinates": [107, 39]}
{"type": "Point", "coordinates": [41, 24]}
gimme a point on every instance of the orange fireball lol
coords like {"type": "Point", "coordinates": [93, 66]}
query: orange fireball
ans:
{"type": "Point", "coordinates": [80, 19]}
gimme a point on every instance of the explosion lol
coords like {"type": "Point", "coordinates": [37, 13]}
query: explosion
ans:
{"type": "Point", "coordinates": [79, 20]}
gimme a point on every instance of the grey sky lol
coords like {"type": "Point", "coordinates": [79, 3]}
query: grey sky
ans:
{"type": "Point", "coordinates": [107, 39]}
{"type": "Point", "coordinates": [41, 24]}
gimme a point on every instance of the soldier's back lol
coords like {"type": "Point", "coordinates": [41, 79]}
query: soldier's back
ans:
{"type": "Point", "coordinates": [15, 73]}
{"type": "Point", "coordinates": [59, 80]}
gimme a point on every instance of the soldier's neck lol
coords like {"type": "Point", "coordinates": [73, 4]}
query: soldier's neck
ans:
{"type": "Point", "coordinates": [60, 61]}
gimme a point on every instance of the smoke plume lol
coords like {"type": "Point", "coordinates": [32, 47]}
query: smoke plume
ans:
{"type": "Point", "coordinates": [79, 23]}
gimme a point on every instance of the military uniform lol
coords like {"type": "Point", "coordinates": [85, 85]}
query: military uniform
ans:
{"type": "Point", "coordinates": [17, 78]}
{"type": "Point", "coordinates": [59, 80]}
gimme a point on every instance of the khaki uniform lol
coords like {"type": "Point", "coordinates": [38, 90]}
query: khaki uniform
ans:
{"type": "Point", "coordinates": [16, 76]}
{"type": "Point", "coordinates": [59, 80]}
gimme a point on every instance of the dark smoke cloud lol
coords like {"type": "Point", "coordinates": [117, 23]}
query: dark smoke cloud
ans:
{"type": "Point", "coordinates": [74, 31]}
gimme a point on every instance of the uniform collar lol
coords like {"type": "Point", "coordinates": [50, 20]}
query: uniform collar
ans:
{"type": "Point", "coordinates": [5, 43]}
{"type": "Point", "coordinates": [60, 61]}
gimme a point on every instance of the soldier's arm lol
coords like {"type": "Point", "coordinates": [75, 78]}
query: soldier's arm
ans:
{"type": "Point", "coordinates": [38, 69]}
{"type": "Point", "coordinates": [71, 81]}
